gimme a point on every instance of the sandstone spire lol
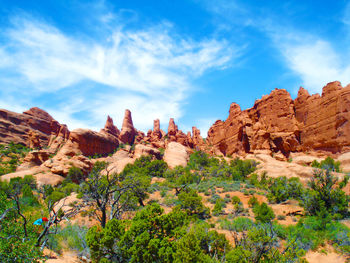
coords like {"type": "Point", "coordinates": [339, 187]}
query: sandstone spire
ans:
{"type": "Point", "coordinates": [127, 134]}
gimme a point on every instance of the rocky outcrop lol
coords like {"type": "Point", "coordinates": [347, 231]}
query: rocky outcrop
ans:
{"type": "Point", "coordinates": [60, 164]}
{"type": "Point", "coordinates": [176, 154]}
{"type": "Point", "coordinates": [325, 119]}
{"type": "Point", "coordinates": [34, 158]}
{"type": "Point", "coordinates": [110, 128]}
{"type": "Point", "coordinates": [278, 124]}
{"type": "Point", "coordinates": [145, 150]}
{"type": "Point", "coordinates": [42, 175]}
{"type": "Point", "coordinates": [17, 127]}
{"type": "Point", "coordinates": [88, 143]}
{"type": "Point", "coordinates": [127, 135]}
{"type": "Point", "coordinates": [196, 140]}
{"type": "Point", "coordinates": [58, 140]}
{"type": "Point", "coordinates": [156, 134]}
{"type": "Point", "coordinates": [33, 140]}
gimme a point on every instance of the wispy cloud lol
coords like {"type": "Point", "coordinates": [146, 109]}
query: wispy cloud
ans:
{"type": "Point", "coordinates": [149, 70]}
{"type": "Point", "coordinates": [316, 63]}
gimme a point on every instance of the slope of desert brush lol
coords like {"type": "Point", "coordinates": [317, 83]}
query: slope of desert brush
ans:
{"type": "Point", "coordinates": [214, 209]}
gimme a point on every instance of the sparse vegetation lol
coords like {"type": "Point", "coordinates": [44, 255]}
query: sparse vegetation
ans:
{"type": "Point", "coordinates": [185, 232]}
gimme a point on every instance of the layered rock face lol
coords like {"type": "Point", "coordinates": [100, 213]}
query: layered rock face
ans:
{"type": "Point", "coordinates": [87, 142]}
{"type": "Point", "coordinates": [325, 119]}
{"type": "Point", "coordinates": [276, 123]}
{"type": "Point", "coordinates": [19, 128]}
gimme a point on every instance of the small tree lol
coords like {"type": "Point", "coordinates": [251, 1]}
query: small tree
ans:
{"type": "Point", "coordinates": [326, 191]}
{"type": "Point", "coordinates": [191, 202]}
{"type": "Point", "coordinates": [263, 213]}
{"type": "Point", "coordinates": [110, 194]}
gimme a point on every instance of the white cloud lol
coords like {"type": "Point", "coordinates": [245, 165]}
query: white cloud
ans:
{"type": "Point", "coordinates": [148, 71]}
{"type": "Point", "coordinates": [317, 64]}
{"type": "Point", "coordinates": [314, 60]}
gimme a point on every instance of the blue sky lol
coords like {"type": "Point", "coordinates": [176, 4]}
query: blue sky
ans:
{"type": "Point", "coordinates": [84, 60]}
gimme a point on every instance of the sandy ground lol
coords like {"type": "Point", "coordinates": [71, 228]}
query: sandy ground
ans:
{"type": "Point", "coordinates": [330, 257]}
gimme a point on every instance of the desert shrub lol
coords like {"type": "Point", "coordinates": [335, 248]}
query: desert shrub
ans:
{"type": "Point", "coordinates": [263, 213]}
{"type": "Point", "coordinates": [200, 160]}
{"type": "Point", "coordinates": [253, 201]}
{"type": "Point", "coordinates": [328, 164]}
{"type": "Point", "coordinates": [55, 196]}
{"type": "Point", "coordinates": [325, 195]}
{"type": "Point", "coordinates": [75, 175]}
{"type": "Point", "coordinates": [152, 236]}
{"type": "Point", "coordinates": [281, 189]}
{"type": "Point", "coordinates": [242, 168]}
{"type": "Point", "coordinates": [219, 205]}
{"type": "Point", "coordinates": [191, 203]}
{"type": "Point", "coordinates": [238, 224]}
{"type": "Point", "coordinates": [238, 208]}
{"type": "Point", "coordinates": [235, 200]}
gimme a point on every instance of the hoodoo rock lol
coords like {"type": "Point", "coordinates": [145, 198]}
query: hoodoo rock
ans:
{"type": "Point", "coordinates": [33, 140]}
{"type": "Point", "coordinates": [278, 124]}
{"type": "Point", "coordinates": [172, 129]}
{"type": "Point", "coordinates": [15, 127]}
{"type": "Point", "coordinates": [110, 128]}
{"type": "Point", "coordinates": [156, 133]}
{"type": "Point", "coordinates": [197, 139]}
{"type": "Point", "coordinates": [127, 135]}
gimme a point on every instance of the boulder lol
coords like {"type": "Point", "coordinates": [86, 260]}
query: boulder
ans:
{"type": "Point", "coordinates": [34, 158]}
{"type": "Point", "coordinates": [176, 154]}
{"type": "Point", "coordinates": [88, 143]}
{"type": "Point", "coordinates": [141, 149]}
{"type": "Point", "coordinates": [60, 164]}
{"type": "Point", "coordinates": [40, 173]}
{"type": "Point", "coordinates": [119, 160]}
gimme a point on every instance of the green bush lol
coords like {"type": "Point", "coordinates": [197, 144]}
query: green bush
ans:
{"type": "Point", "coordinates": [325, 195]}
{"type": "Point", "coordinates": [235, 200]}
{"type": "Point", "coordinates": [328, 164]}
{"type": "Point", "coordinates": [281, 189]}
{"type": "Point", "coordinates": [219, 205]}
{"type": "Point", "coordinates": [191, 202]}
{"type": "Point", "coordinates": [263, 213]}
{"type": "Point", "coordinates": [253, 201]}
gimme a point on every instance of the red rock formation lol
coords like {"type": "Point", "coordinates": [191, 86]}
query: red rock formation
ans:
{"type": "Point", "coordinates": [39, 113]}
{"type": "Point", "coordinates": [58, 140]}
{"type": "Point", "coordinates": [33, 140]}
{"type": "Point", "coordinates": [15, 127]}
{"type": "Point", "coordinates": [128, 132]}
{"type": "Point", "coordinates": [276, 123]}
{"type": "Point", "coordinates": [88, 143]}
{"type": "Point", "coordinates": [197, 138]}
{"type": "Point", "coordinates": [325, 119]}
{"type": "Point", "coordinates": [156, 133]}
{"type": "Point", "coordinates": [172, 128]}
{"type": "Point", "coordinates": [110, 128]}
